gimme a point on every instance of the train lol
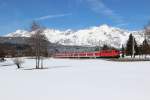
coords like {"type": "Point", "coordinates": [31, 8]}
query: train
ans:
{"type": "Point", "coordinates": [94, 54]}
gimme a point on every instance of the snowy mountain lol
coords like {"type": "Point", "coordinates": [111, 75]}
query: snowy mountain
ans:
{"type": "Point", "coordinates": [93, 36]}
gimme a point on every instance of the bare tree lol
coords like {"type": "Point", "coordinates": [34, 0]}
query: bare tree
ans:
{"type": "Point", "coordinates": [147, 32]}
{"type": "Point", "coordinates": [146, 42]}
{"type": "Point", "coordinates": [39, 43]}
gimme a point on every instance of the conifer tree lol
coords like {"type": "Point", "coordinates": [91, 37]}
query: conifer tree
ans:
{"type": "Point", "coordinates": [132, 45]}
{"type": "Point", "coordinates": [136, 48]}
{"type": "Point", "coordinates": [145, 48]}
{"type": "Point", "coordinates": [129, 45]}
{"type": "Point", "coordinates": [105, 47]}
{"type": "Point", "coordinates": [123, 51]}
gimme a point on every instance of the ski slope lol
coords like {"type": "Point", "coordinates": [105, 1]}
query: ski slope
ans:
{"type": "Point", "coordinates": [70, 79]}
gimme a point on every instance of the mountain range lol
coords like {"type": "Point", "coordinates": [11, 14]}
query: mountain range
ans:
{"type": "Point", "coordinates": [93, 36]}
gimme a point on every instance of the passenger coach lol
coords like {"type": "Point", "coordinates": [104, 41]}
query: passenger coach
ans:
{"type": "Point", "coordinates": [96, 54]}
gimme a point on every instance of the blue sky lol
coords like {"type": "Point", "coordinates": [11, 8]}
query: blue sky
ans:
{"type": "Point", "coordinates": [73, 14]}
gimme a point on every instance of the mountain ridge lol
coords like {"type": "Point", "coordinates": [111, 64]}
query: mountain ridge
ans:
{"type": "Point", "coordinates": [92, 36]}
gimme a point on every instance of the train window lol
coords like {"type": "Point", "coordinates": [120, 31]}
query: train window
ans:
{"type": "Point", "coordinates": [116, 51]}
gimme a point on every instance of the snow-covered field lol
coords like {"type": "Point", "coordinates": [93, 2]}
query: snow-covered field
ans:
{"type": "Point", "coordinates": [67, 79]}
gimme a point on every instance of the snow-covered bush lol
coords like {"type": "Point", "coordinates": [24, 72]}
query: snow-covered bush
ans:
{"type": "Point", "coordinates": [2, 59]}
{"type": "Point", "coordinates": [18, 61]}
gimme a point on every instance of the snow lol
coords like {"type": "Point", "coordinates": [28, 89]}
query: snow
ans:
{"type": "Point", "coordinates": [93, 36]}
{"type": "Point", "coordinates": [75, 79]}
{"type": "Point", "coordinates": [19, 33]}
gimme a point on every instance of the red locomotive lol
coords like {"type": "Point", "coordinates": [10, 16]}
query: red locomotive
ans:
{"type": "Point", "coordinates": [96, 54]}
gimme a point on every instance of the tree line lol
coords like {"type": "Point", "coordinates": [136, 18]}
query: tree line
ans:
{"type": "Point", "coordinates": [132, 48]}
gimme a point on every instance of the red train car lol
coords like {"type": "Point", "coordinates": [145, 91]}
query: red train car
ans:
{"type": "Point", "coordinates": [96, 54]}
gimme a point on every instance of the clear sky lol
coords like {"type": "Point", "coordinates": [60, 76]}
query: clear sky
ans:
{"type": "Point", "coordinates": [73, 14]}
